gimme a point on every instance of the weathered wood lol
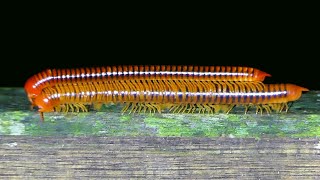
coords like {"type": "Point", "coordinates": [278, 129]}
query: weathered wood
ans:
{"type": "Point", "coordinates": [154, 157]}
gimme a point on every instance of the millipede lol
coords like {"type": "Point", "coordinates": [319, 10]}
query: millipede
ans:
{"type": "Point", "coordinates": [176, 96]}
{"type": "Point", "coordinates": [47, 78]}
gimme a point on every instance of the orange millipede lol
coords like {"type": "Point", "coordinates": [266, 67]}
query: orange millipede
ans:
{"type": "Point", "coordinates": [50, 77]}
{"type": "Point", "coordinates": [180, 96]}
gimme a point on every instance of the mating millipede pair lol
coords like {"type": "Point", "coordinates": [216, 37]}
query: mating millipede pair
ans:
{"type": "Point", "coordinates": [50, 77]}
{"type": "Point", "coordinates": [149, 88]}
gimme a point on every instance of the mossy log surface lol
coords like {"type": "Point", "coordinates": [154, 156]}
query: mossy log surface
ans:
{"type": "Point", "coordinates": [108, 144]}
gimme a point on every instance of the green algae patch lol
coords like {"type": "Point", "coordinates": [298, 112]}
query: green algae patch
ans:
{"type": "Point", "coordinates": [13, 115]}
{"type": "Point", "coordinates": [55, 128]}
{"type": "Point", "coordinates": [309, 127]}
{"type": "Point", "coordinates": [237, 126]}
{"type": "Point", "coordinates": [11, 128]}
{"type": "Point", "coordinates": [11, 123]}
{"type": "Point", "coordinates": [169, 127]}
{"type": "Point", "coordinates": [125, 118]}
{"type": "Point", "coordinates": [126, 125]}
{"type": "Point", "coordinates": [203, 126]}
{"type": "Point", "coordinates": [163, 125]}
{"type": "Point", "coordinates": [99, 123]}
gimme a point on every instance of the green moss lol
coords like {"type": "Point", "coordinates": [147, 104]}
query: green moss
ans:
{"type": "Point", "coordinates": [242, 132]}
{"type": "Point", "coordinates": [183, 125]}
{"type": "Point", "coordinates": [10, 123]}
{"type": "Point", "coordinates": [5, 123]}
{"type": "Point", "coordinates": [218, 125]}
{"type": "Point", "coordinates": [169, 127]}
{"type": "Point", "coordinates": [308, 128]}
{"type": "Point", "coordinates": [11, 128]}
{"type": "Point", "coordinates": [234, 118]}
{"type": "Point", "coordinates": [64, 128]}
{"type": "Point", "coordinates": [313, 117]}
{"type": "Point", "coordinates": [13, 115]}
{"type": "Point", "coordinates": [125, 118]}
{"type": "Point", "coordinates": [212, 126]}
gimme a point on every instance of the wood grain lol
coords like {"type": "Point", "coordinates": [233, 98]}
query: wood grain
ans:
{"type": "Point", "coordinates": [94, 157]}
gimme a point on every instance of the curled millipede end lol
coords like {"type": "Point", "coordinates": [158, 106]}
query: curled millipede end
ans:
{"type": "Point", "coordinates": [295, 92]}
{"type": "Point", "coordinates": [304, 89]}
{"type": "Point", "coordinates": [261, 75]}
{"type": "Point", "coordinates": [299, 88]}
{"type": "Point", "coordinates": [266, 74]}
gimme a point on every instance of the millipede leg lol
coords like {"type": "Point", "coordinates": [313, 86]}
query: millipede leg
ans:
{"type": "Point", "coordinates": [260, 86]}
{"type": "Point", "coordinates": [125, 108]}
{"type": "Point", "coordinates": [286, 107]}
{"type": "Point", "coordinates": [133, 105]}
{"type": "Point", "coordinates": [158, 108]}
{"type": "Point", "coordinates": [204, 109]}
{"type": "Point", "coordinates": [190, 108]}
{"type": "Point", "coordinates": [63, 108]}
{"type": "Point", "coordinates": [149, 107]}
{"type": "Point", "coordinates": [41, 117]}
{"type": "Point", "coordinates": [83, 108]}
{"type": "Point", "coordinates": [57, 109]}
{"type": "Point", "coordinates": [154, 108]}
{"type": "Point", "coordinates": [246, 109]}
{"type": "Point", "coordinates": [171, 108]}
{"type": "Point", "coordinates": [134, 108]}
{"type": "Point", "coordinates": [201, 109]}
{"type": "Point", "coordinates": [259, 109]}
{"type": "Point", "coordinates": [144, 108]}
{"type": "Point", "coordinates": [66, 108]}
{"type": "Point", "coordinates": [207, 108]}
{"type": "Point", "coordinates": [215, 108]}
{"type": "Point", "coordinates": [230, 108]}
{"type": "Point", "coordinates": [194, 108]}
{"type": "Point", "coordinates": [211, 108]}
{"type": "Point", "coordinates": [71, 107]}
{"type": "Point", "coordinates": [185, 108]}
{"type": "Point", "coordinates": [176, 108]}
{"type": "Point", "coordinates": [180, 108]}
{"type": "Point", "coordinates": [137, 107]}
{"type": "Point", "coordinates": [77, 109]}
{"type": "Point", "coordinates": [74, 107]}
{"type": "Point", "coordinates": [267, 108]}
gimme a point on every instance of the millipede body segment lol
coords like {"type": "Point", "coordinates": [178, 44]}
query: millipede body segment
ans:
{"type": "Point", "coordinates": [177, 95]}
{"type": "Point", "coordinates": [47, 78]}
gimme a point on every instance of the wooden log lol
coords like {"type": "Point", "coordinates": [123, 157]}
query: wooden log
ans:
{"type": "Point", "coordinates": [24, 157]}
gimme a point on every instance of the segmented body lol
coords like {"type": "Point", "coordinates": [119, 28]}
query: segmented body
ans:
{"type": "Point", "coordinates": [47, 78]}
{"type": "Point", "coordinates": [180, 96]}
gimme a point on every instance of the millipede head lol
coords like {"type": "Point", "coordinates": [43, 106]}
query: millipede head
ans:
{"type": "Point", "coordinates": [34, 84]}
{"type": "Point", "coordinates": [31, 89]}
{"type": "Point", "coordinates": [44, 103]}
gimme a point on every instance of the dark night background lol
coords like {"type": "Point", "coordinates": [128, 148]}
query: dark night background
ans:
{"type": "Point", "coordinates": [287, 47]}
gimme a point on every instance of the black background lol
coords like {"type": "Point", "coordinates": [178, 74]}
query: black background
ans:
{"type": "Point", "coordinates": [285, 46]}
